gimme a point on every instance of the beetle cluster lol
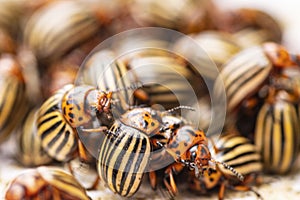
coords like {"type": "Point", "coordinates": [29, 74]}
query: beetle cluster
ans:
{"type": "Point", "coordinates": [268, 98]}
{"type": "Point", "coordinates": [109, 119]}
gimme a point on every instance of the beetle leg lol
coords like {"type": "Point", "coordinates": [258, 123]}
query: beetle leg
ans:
{"type": "Point", "coordinates": [153, 179]}
{"type": "Point", "coordinates": [169, 174]}
{"type": "Point", "coordinates": [82, 151]}
{"type": "Point", "coordinates": [245, 188]}
{"type": "Point", "coordinates": [100, 129]}
{"type": "Point", "coordinates": [170, 185]}
{"type": "Point", "coordinates": [221, 191]}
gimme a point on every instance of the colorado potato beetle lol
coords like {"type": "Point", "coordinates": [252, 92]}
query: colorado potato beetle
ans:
{"type": "Point", "coordinates": [68, 109]}
{"type": "Point", "coordinates": [30, 150]}
{"type": "Point", "coordinates": [262, 23]}
{"type": "Point", "coordinates": [45, 183]}
{"type": "Point", "coordinates": [277, 133]}
{"type": "Point", "coordinates": [243, 74]}
{"type": "Point", "coordinates": [217, 47]}
{"type": "Point", "coordinates": [190, 146]}
{"type": "Point", "coordinates": [50, 42]}
{"type": "Point", "coordinates": [166, 78]}
{"type": "Point", "coordinates": [187, 17]}
{"type": "Point", "coordinates": [125, 154]}
{"type": "Point", "coordinates": [13, 100]}
{"type": "Point", "coordinates": [237, 152]}
{"type": "Point", "coordinates": [246, 73]}
{"type": "Point", "coordinates": [100, 70]}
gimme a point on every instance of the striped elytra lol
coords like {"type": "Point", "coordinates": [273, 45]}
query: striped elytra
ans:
{"type": "Point", "coordinates": [243, 75]}
{"type": "Point", "coordinates": [277, 134]}
{"type": "Point", "coordinates": [125, 152]}
{"type": "Point", "coordinates": [123, 159]}
{"type": "Point", "coordinates": [45, 183]}
{"type": "Point", "coordinates": [30, 151]}
{"type": "Point", "coordinates": [70, 108]}
{"type": "Point", "coordinates": [239, 153]}
{"type": "Point", "coordinates": [58, 137]}
{"type": "Point", "coordinates": [10, 16]}
{"type": "Point", "coordinates": [185, 16]}
{"type": "Point", "coordinates": [50, 38]}
{"type": "Point", "coordinates": [13, 101]}
{"type": "Point", "coordinates": [213, 49]}
{"type": "Point", "coordinates": [167, 79]}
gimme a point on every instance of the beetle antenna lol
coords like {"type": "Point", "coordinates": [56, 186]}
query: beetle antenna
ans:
{"type": "Point", "coordinates": [179, 107]}
{"type": "Point", "coordinates": [133, 86]}
{"type": "Point", "coordinates": [102, 129]}
{"type": "Point", "coordinates": [237, 174]}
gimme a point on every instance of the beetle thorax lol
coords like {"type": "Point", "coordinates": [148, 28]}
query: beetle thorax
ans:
{"type": "Point", "coordinates": [75, 106]}
{"type": "Point", "coordinates": [143, 119]}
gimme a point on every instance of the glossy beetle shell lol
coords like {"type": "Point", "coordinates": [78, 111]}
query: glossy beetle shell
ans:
{"type": "Point", "coordinates": [13, 102]}
{"type": "Point", "coordinates": [123, 159]}
{"type": "Point", "coordinates": [188, 16]}
{"type": "Point", "coordinates": [100, 71]}
{"type": "Point", "coordinates": [244, 75]}
{"type": "Point", "coordinates": [31, 152]}
{"type": "Point", "coordinates": [238, 152]}
{"type": "Point", "coordinates": [57, 135]}
{"type": "Point", "coordinates": [247, 18]}
{"type": "Point", "coordinates": [164, 78]}
{"type": "Point", "coordinates": [49, 38]}
{"type": "Point", "coordinates": [217, 48]}
{"type": "Point", "coordinates": [277, 135]}
{"type": "Point", "coordinates": [45, 183]}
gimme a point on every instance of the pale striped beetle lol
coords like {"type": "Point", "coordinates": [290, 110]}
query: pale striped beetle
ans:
{"type": "Point", "coordinates": [50, 42]}
{"type": "Point", "coordinates": [99, 70]}
{"type": "Point", "coordinates": [238, 152]}
{"type": "Point", "coordinates": [45, 183]}
{"type": "Point", "coordinates": [30, 151]}
{"type": "Point", "coordinates": [277, 130]}
{"type": "Point", "coordinates": [264, 27]}
{"type": "Point", "coordinates": [13, 100]}
{"type": "Point", "coordinates": [167, 78]}
{"type": "Point", "coordinates": [277, 135]}
{"type": "Point", "coordinates": [69, 108]}
{"type": "Point", "coordinates": [243, 75]}
{"type": "Point", "coordinates": [218, 48]}
{"type": "Point", "coordinates": [66, 112]}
